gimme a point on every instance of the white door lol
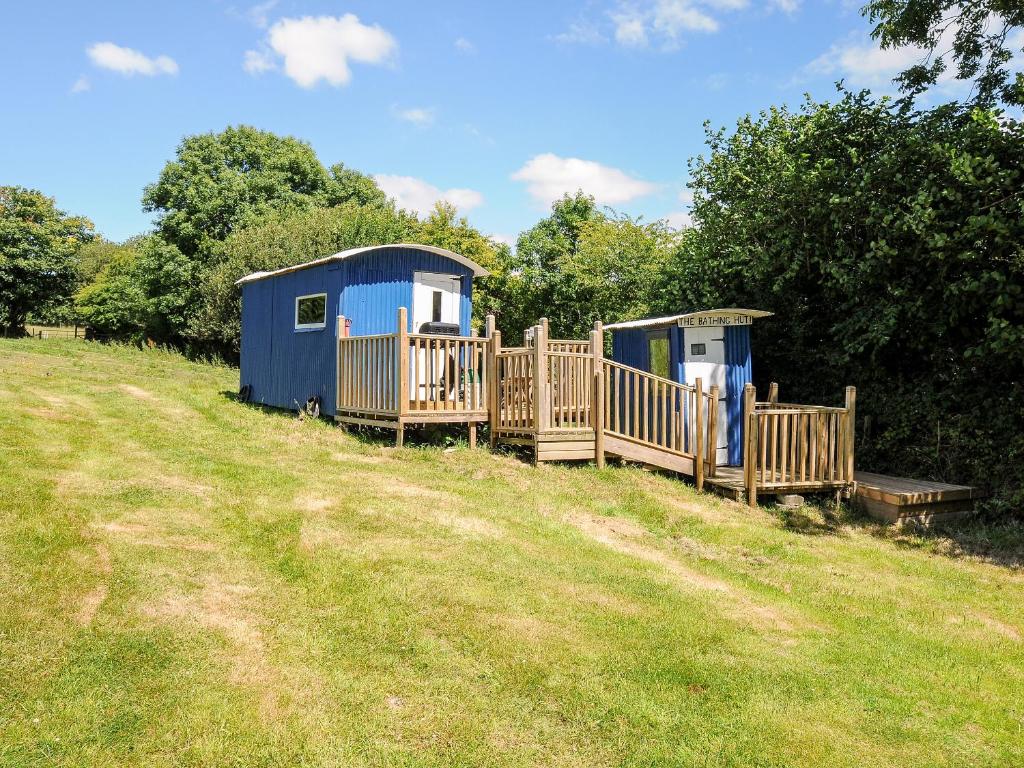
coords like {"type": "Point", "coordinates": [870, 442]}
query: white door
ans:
{"type": "Point", "coordinates": [435, 299]}
{"type": "Point", "coordinates": [704, 357]}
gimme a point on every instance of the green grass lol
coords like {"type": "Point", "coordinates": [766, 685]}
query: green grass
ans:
{"type": "Point", "coordinates": [186, 580]}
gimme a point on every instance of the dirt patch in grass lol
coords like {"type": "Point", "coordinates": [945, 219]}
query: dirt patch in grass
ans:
{"type": "Point", "coordinates": [980, 626]}
{"type": "Point", "coordinates": [629, 538]}
{"type": "Point", "coordinates": [138, 392]}
{"type": "Point", "coordinates": [469, 524]}
{"type": "Point", "coordinates": [147, 535]}
{"type": "Point", "coordinates": [93, 599]}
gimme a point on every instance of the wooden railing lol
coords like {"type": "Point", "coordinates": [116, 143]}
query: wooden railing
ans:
{"type": "Point", "coordinates": [512, 400]}
{"type": "Point", "coordinates": [570, 390]}
{"type": "Point", "coordinates": [447, 373]}
{"type": "Point", "coordinates": [793, 447]}
{"type": "Point", "coordinates": [412, 377]}
{"type": "Point", "coordinates": [368, 375]}
{"type": "Point", "coordinates": [571, 346]}
{"type": "Point", "coordinates": [660, 413]}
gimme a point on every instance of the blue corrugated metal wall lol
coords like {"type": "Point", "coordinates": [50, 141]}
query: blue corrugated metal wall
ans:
{"type": "Point", "coordinates": [379, 282]}
{"type": "Point", "coordinates": [285, 366]}
{"type": "Point", "coordinates": [738, 371]}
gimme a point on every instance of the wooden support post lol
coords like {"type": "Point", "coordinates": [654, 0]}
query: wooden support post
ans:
{"type": "Point", "coordinates": [472, 434]}
{"type": "Point", "coordinates": [489, 326]}
{"type": "Point", "coordinates": [749, 399]}
{"type": "Point", "coordinates": [494, 387]}
{"type": "Point", "coordinates": [773, 392]}
{"type": "Point", "coordinates": [597, 401]}
{"type": "Point", "coordinates": [402, 397]}
{"type": "Point", "coordinates": [400, 435]}
{"type": "Point", "coordinates": [750, 464]}
{"type": "Point", "coordinates": [712, 431]}
{"type": "Point", "coordinates": [851, 413]}
{"type": "Point", "coordinates": [337, 360]}
{"type": "Point", "coordinates": [543, 323]}
{"type": "Point", "coordinates": [698, 452]}
{"type": "Point", "coordinates": [540, 378]}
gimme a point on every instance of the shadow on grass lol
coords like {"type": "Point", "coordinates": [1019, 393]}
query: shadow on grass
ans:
{"type": "Point", "coordinates": [997, 540]}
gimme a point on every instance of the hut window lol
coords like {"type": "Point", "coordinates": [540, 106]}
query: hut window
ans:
{"type": "Point", "coordinates": [657, 354]}
{"type": "Point", "coordinates": [310, 311]}
{"type": "Point", "coordinates": [698, 350]}
{"type": "Point", "coordinates": [436, 312]}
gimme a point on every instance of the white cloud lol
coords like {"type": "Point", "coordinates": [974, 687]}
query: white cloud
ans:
{"type": "Point", "coordinates": [679, 219]}
{"type": "Point", "coordinates": [81, 85]}
{"type": "Point", "coordinates": [420, 116]}
{"type": "Point", "coordinates": [549, 176]}
{"type": "Point", "coordinates": [320, 48]}
{"type": "Point", "coordinates": [128, 61]}
{"type": "Point", "coordinates": [638, 23]}
{"type": "Point", "coordinates": [420, 196]}
{"type": "Point", "coordinates": [788, 7]}
{"type": "Point", "coordinates": [509, 240]}
{"type": "Point", "coordinates": [258, 14]}
{"type": "Point", "coordinates": [258, 62]}
{"type": "Point", "coordinates": [582, 33]}
{"type": "Point", "coordinates": [464, 45]}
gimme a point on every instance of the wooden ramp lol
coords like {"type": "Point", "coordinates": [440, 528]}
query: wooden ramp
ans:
{"type": "Point", "coordinates": [902, 500]}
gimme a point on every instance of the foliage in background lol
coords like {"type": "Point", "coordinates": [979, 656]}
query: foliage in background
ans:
{"type": "Point", "coordinates": [982, 37]}
{"type": "Point", "coordinates": [889, 244]}
{"type": "Point", "coordinates": [579, 265]}
{"type": "Point", "coordinates": [38, 249]}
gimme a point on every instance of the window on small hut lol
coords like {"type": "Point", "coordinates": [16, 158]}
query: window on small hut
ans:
{"type": "Point", "coordinates": [311, 311]}
{"type": "Point", "coordinates": [657, 350]}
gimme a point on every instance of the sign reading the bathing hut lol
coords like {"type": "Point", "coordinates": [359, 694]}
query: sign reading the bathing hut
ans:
{"type": "Point", "coordinates": [715, 320]}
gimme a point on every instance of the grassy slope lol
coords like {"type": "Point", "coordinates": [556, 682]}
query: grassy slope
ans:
{"type": "Point", "coordinates": [185, 580]}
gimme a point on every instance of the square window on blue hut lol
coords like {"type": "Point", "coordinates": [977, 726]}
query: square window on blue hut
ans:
{"type": "Point", "coordinates": [310, 311]}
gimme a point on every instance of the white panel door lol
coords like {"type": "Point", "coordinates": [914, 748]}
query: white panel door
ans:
{"type": "Point", "coordinates": [435, 299]}
{"type": "Point", "coordinates": [704, 358]}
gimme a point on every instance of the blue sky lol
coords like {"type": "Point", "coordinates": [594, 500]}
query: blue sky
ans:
{"type": "Point", "coordinates": [497, 107]}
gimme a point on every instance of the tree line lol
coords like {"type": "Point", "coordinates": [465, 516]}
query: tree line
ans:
{"type": "Point", "coordinates": [888, 239]}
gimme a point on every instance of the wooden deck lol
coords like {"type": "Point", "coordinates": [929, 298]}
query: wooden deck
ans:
{"type": "Point", "coordinates": [902, 500]}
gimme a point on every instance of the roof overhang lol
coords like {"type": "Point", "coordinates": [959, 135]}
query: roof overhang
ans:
{"type": "Point", "coordinates": [478, 271]}
{"type": "Point", "coordinates": [707, 318]}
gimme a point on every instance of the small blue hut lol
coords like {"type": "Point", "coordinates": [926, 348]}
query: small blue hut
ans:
{"type": "Point", "coordinates": [713, 345]}
{"type": "Point", "coordinates": [290, 316]}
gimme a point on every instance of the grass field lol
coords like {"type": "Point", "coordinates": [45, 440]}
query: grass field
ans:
{"type": "Point", "coordinates": [186, 580]}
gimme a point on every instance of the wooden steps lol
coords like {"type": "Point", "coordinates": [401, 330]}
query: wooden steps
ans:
{"type": "Point", "coordinates": [902, 500]}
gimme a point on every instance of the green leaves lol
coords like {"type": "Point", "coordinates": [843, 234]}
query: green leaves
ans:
{"type": "Point", "coordinates": [38, 249]}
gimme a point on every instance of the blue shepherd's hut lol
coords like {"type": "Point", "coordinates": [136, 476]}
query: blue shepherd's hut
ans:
{"type": "Point", "coordinates": [713, 345]}
{"type": "Point", "coordinates": [290, 316]}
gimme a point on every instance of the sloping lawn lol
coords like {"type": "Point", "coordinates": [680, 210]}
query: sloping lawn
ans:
{"type": "Point", "coordinates": [186, 580]}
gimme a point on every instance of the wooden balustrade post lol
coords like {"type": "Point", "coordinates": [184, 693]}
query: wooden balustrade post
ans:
{"type": "Point", "coordinates": [698, 452]}
{"type": "Point", "coordinates": [494, 387]}
{"type": "Point", "coordinates": [597, 401]}
{"type": "Point", "coordinates": [712, 448]}
{"type": "Point", "coordinates": [402, 396]}
{"type": "Point", "coordinates": [851, 413]}
{"type": "Point", "coordinates": [489, 326]}
{"type": "Point", "coordinates": [773, 392]}
{"type": "Point", "coordinates": [337, 354]}
{"type": "Point", "coordinates": [750, 463]}
{"type": "Point", "coordinates": [543, 323]}
{"type": "Point", "coordinates": [540, 378]}
{"type": "Point", "coordinates": [749, 400]}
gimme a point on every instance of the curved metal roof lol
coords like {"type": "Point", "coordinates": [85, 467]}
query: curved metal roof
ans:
{"type": "Point", "coordinates": [478, 271]}
{"type": "Point", "coordinates": [664, 322]}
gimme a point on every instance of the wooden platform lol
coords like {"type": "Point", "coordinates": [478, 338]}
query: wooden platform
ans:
{"type": "Point", "coordinates": [728, 482]}
{"type": "Point", "coordinates": [901, 500]}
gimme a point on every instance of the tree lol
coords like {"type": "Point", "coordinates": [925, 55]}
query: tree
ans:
{"type": "Point", "coordinates": [221, 182]}
{"type": "Point", "coordinates": [580, 265]}
{"type": "Point", "coordinates": [890, 245]}
{"type": "Point", "coordinates": [38, 246]}
{"type": "Point", "coordinates": [282, 240]}
{"type": "Point", "coordinates": [981, 37]}
{"type": "Point", "coordinates": [113, 301]}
